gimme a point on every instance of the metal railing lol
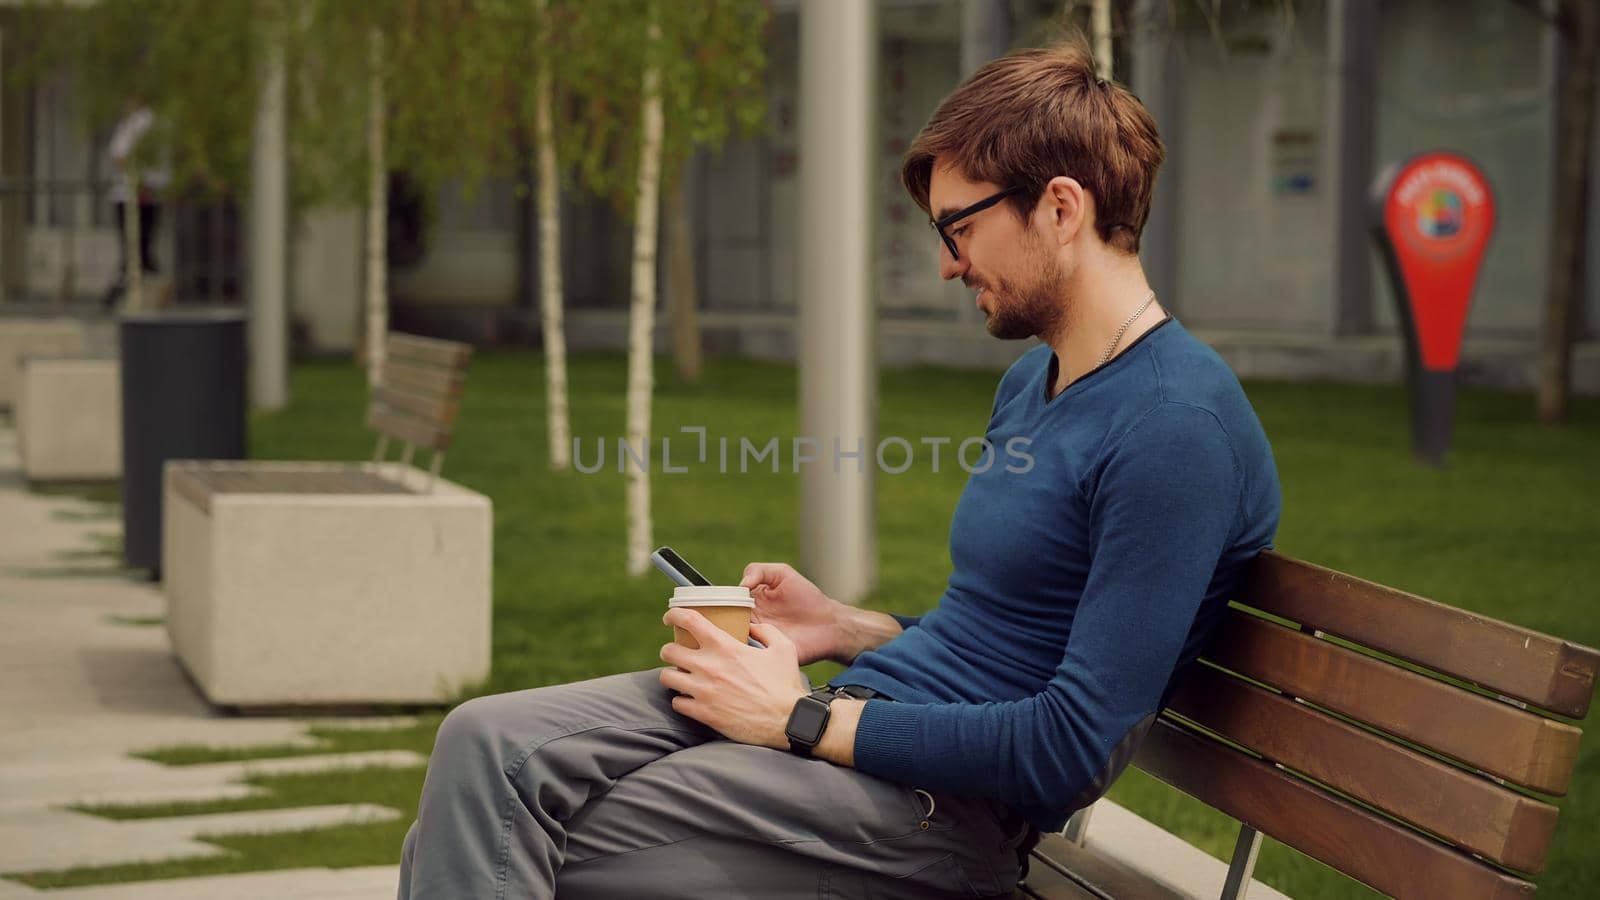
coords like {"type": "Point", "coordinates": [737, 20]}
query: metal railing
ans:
{"type": "Point", "coordinates": [199, 243]}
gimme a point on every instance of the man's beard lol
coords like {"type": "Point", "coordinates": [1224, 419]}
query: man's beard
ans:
{"type": "Point", "coordinates": [1039, 309]}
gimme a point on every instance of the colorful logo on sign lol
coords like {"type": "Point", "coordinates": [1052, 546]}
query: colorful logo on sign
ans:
{"type": "Point", "coordinates": [1439, 216]}
{"type": "Point", "coordinates": [1438, 213]}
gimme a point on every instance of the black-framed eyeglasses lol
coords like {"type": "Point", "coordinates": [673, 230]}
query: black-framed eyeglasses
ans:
{"type": "Point", "coordinates": [944, 222]}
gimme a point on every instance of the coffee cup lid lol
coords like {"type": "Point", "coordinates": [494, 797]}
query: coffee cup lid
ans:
{"type": "Point", "coordinates": [711, 595]}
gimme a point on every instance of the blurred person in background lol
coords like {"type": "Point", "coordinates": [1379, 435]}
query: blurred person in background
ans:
{"type": "Point", "coordinates": [131, 183]}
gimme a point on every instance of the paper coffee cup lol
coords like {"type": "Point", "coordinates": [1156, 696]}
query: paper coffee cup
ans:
{"type": "Point", "coordinates": [728, 608]}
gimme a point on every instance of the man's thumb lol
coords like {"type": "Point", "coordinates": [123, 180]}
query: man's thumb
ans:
{"type": "Point", "coordinates": [769, 634]}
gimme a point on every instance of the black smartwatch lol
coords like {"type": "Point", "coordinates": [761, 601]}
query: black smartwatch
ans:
{"type": "Point", "coordinates": [808, 720]}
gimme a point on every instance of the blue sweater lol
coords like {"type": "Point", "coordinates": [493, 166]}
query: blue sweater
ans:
{"type": "Point", "coordinates": [1081, 581]}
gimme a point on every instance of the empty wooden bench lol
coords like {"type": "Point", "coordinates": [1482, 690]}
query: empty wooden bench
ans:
{"type": "Point", "coordinates": [333, 583]}
{"type": "Point", "coordinates": [1405, 743]}
{"type": "Point", "coordinates": [415, 402]}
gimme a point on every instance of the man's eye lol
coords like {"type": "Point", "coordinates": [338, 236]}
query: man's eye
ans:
{"type": "Point", "coordinates": [960, 230]}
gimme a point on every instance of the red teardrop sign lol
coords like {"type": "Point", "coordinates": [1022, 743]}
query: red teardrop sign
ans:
{"type": "Point", "coordinates": [1438, 212]}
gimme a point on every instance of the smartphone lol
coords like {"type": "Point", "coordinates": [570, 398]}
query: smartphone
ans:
{"type": "Point", "coordinates": [679, 570]}
{"type": "Point", "coordinates": [674, 567]}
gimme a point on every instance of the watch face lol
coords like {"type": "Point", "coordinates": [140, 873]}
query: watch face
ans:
{"type": "Point", "coordinates": [810, 716]}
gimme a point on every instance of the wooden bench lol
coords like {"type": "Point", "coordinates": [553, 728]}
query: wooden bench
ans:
{"type": "Point", "coordinates": [1405, 743]}
{"type": "Point", "coordinates": [415, 402]}
{"type": "Point", "coordinates": [294, 583]}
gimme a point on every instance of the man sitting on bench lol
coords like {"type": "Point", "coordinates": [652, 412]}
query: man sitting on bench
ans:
{"type": "Point", "coordinates": [1082, 580]}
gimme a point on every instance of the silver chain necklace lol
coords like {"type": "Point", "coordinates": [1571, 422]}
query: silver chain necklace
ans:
{"type": "Point", "coordinates": [1117, 339]}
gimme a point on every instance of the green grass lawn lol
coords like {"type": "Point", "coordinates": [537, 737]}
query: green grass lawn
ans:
{"type": "Point", "coordinates": [1511, 529]}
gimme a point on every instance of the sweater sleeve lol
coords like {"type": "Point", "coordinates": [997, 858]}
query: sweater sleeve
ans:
{"type": "Point", "coordinates": [1160, 514]}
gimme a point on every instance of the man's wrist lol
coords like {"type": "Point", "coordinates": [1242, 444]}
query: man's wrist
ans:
{"type": "Point", "coordinates": [838, 744]}
{"type": "Point", "coordinates": [781, 741]}
{"type": "Point", "coordinates": [861, 630]}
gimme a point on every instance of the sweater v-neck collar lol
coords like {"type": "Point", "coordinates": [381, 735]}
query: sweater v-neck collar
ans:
{"type": "Point", "coordinates": [1042, 390]}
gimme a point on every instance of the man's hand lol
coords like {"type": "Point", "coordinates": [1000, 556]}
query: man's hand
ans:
{"type": "Point", "coordinates": [789, 600]}
{"type": "Point", "coordinates": [820, 626]}
{"type": "Point", "coordinates": [744, 692]}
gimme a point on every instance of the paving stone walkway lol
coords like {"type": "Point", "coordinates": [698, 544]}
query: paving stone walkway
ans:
{"type": "Point", "coordinates": [85, 680]}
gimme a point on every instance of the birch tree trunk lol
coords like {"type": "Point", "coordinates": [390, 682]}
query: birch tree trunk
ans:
{"type": "Point", "coordinates": [377, 213]}
{"type": "Point", "coordinates": [641, 319]}
{"type": "Point", "coordinates": [132, 239]}
{"type": "Point", "coordinates": [551, 300]}
{"type": "Point", "coordinates": [683, 301]}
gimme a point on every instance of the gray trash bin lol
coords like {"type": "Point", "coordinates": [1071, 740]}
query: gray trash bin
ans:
{"type": "Point", "coordinates": [183, 397]}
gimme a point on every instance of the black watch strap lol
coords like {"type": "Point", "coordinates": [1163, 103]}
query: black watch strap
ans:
{"type": "Point", "coordinates": [808, 720]}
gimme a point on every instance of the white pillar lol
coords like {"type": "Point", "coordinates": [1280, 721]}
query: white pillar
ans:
{"type": "Point", "coordinates": [838, 382]}
{"type": "Point", "coordinates": [1100, 24]}
{"type": "Point", "coordinates": [268, 255]}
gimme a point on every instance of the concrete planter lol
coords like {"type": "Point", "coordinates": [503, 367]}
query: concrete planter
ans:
{"type": "Point", "coordinates": [24, 337]}
{"type": "Point", "coordinates": [277, 597]}
{"type": "Point", "coordinates": [69, 419]}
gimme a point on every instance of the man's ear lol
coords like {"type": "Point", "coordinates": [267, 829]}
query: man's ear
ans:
{"type": "Point", "coordinates": [1066, 207]}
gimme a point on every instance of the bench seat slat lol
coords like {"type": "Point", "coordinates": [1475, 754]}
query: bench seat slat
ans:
{"type": "Point", "coordinates": [1386, 856]}
{"type": "Point", "coordinates": [442, 383]}
{"type": "Point", "coordinates": [200, 481]}
{"type": "Point", "coordinates": [1463, 808]}
{"type": "Point", "coordinates": [1100, 876]}
{"type": "Point", "coordinates": [1047, 883]}
{"type": "Point", "coordinates": [425, 351]}
{"type": "Point", "coordinates": [1545, 671]}
{"type": "Point", "coordinates": [1499, 738]}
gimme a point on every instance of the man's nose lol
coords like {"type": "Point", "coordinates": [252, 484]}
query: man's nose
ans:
{"type": "Point", "coordinates": [949, 266]}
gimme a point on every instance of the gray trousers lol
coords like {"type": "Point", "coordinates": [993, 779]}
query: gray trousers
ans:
{"type": "Point", "coordinates": [600, 789]}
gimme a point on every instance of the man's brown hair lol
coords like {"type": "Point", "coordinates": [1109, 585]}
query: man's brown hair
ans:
{"type": "Point", "coordinates": [1032, 115]}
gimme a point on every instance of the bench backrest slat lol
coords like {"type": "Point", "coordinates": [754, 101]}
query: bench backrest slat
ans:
{"type": "Point", "coordinates": [441, 410]}
{"type": "Point", "coordinates": [1380, 733]}
{"type": "Point", "coordinates": [1536, 668]}
{"type": "Point", "coordinates": [425, 351]}
{"type": "Point", "coordinates": [415, 431]}
{"type": "Point", "coordinates": [1475, 813]}
{"type": "Point", "coordinates": [418, 393]}
{"type": "Point", "coordinates": [1376, 851]}
{"type": "Point", "coordinates": [422, 380]}
{"type": "Point", "coordinates": [1512, 743]}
